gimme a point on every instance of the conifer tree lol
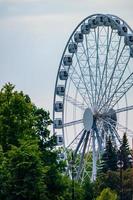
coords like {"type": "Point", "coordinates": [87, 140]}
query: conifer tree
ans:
{"type": "Point", "coordinates": [125, 152]}
{"type": "Point", "coordinates": [109, 158]}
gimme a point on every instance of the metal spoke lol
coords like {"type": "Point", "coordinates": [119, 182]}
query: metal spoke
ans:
{"type": "Point", "coordinates": [111, 77]}
{"type": "Point", "coordinates": [92, 82]}
{"type": "Point", "coordinates": [75, 102]}
{"type": "Point", "coordinates": [94, 157]}
{"type": "Point", "coordinates": [119, 126]}
{"type": "Point", "coordinates": [83, 78]}
{"type": "Point", "coordinates": [76, 138]}
{"type": "Point", "coordinates": [113, 127]}
{"type": "Point", "coordinates": [85, 164]}
{"type": "Point", "coordinates": [120, 78]}
{"type": "Point", "coordinates": [104, 68]}
{"type": "Point", "coordinates": [78, 82]}
{"type": "Point", "coordinates": [79, 143]}
{"type": "Point", "coordinates": [77, 149]}
{"type": "Point", "coordinates": [124, 109]}
{"type": "Point", "coordinates": [99, 139]}
{"type": "Point", "coordinates": [73, 123]}
{"type": "Point", "coordinates": [117, 53]}
{"type": "Point", "coordinates": [120, 92]}
{"type": "Point", "coordinates": [97, 61]}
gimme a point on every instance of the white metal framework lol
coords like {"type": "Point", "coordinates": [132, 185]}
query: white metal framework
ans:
{"type": "Point", "coordinates": [92, 91]}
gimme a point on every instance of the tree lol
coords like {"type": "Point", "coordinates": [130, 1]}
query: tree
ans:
{"type": "Point", "coordinates": [88, 187]}
{"type": "Point", "coordinates": [109, 158]}
{"type": "Point", "coordinates": [110, 179]}
{"type": "Point", "coordinates": [16, 117]}
{"type": "Point", "coordinates": [26, 173]}
{"type": "Point", "coordinates": [29, 164]}
{"type": "Point", "coordinates": [107, 194]}
{"type": "Point", "coordinates": [125, 152]}
{"type": "Point", "coordinates": [22, 138]}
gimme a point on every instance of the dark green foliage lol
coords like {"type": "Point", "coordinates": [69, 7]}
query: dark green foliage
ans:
{"type": "Point", "coordinates": [110, 179]}
{"type": "Point", "coordinates": [16, 116]}
{"type": "Point", "coordinates": [109, 158]}
{"type": "Point", "coordinates": [107, 194]}
{"type": "Point", "coordinates": [89, 189]}
{"type": "Point", "coordinates": [29, 164]}
{"type": "Point", "coordinates": [127, 184]}
{"type": "Point", "coordinates": [125, 152]}
{"type": "Point", "coordinates": [25, 173]}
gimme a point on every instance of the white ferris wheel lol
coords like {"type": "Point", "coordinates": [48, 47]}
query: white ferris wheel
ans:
{"type": "Point", "coordinates": [92, 94]}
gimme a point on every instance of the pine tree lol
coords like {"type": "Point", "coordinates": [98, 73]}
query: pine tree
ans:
{"type": "Point", "coordinates": [125, 152]}
{"type": "Point", "coordinates": [109, 158]}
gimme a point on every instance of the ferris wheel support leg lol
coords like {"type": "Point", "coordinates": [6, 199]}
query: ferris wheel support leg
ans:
{"type": "Point", "coordinates": [94, 170]}
{"type": "Point", "coordinates": [82, 157]}
{"type": "Point", "coordinates": [79, 144]}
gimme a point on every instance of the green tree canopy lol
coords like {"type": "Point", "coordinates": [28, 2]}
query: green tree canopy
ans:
{"type": "Point", "coordinates": [107, 194]}
{"type": "Point", "coordinates": [16, 116]}
{"type": "Point", "coordinates": [23, 173]}
{"type": "Point", "coordinates": [29, 164]}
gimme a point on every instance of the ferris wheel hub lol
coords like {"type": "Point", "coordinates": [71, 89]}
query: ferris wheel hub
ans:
{"type": "Point", "coordinates": [88, 119]}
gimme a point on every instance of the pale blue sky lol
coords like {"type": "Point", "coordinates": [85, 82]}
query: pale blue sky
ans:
{"type": "Point", "coordinates": [33, 34]}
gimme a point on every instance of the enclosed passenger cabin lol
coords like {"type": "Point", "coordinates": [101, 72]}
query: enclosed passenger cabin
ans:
{"type": "Point", "coordinates": [115, 24]}
{"type": "Point", "coordinates": [67, 60]}
{"type": "Point", "coordinates": [78, 37]}
{"type": "Point", "coordinates": [59, 140]}
{"type": "Point", "coordinates": [60, 90]}
{"type": "Point", "coordinates": [129, 39]}
{"type": "Point", "coordinates": [106, 21]}
{"type": "Point", "coordinates": [92, 23]}
{"type": "Point", "coordinates": [85, 28]}
{"type": "Point", "coordinates": [58, 123]}
{"type": "Point", "coordinates": [122, 30]}
{"type": "Point", "coordinates": [63, 74]}
{"type": "Point", "coordinates": [58, 106]}
{"type": "Point", "coordinates": [99, 20]}
{"type": "Point", "coordinates": [72, 48]}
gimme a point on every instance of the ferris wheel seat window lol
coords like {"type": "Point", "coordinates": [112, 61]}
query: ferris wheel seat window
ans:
{"type": "Point", "coordinates": [59, 140]}
{"type": "Point", "coordinates": [115, 24]}
{"type": "Point", "coordinates": [60, 90]}
{"type": "Point", "coordinates": [67, 60]}
{"type": "Point", "coordinates": [85, 29]}
{"type": "Point", "coordinates": [99, 20]}
{"type": "Point", "coordinates": [129, 39]}
{"type": "Point", "coordinates": [58, 123]}
{"type": "Point", "coordinates": [63, 74]}
{"type": "Point", "coordinates": [92, 23]}
{"type": "Point", "coordinates": [122, 30]}
{"type": "Point", "coordinates": [117, 21]}
{"type": "Point", "coordinates": [58, 107]}
{"type": "Point", "coordinates": [78, 37]}
{"type": "Point", "coordinates": [72, 48]}
{"type": "Point", "coordinates": [106, 21]}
